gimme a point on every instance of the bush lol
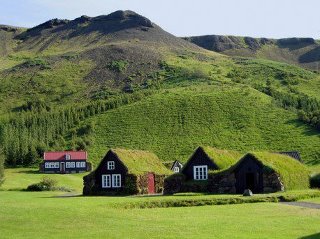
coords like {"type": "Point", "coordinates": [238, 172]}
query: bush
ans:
{"type": "Point", "coordinates": [47, 184]}
{"type": "Point", "coordinates": [315, 181]}
{"type": "Point", "coordinates": [1, 168]}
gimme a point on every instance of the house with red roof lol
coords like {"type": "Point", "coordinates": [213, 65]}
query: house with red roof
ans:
{"type": "Point", "coordinates": [65, 162]}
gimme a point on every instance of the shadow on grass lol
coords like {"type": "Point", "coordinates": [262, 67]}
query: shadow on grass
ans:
{"type": "Point", "coordinates": [313, 236]}
{"type": "Point", "coordinates": [30, 171]}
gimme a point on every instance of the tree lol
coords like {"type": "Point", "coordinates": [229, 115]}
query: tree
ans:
{"type": "Point", "coordinates": [2, 158]}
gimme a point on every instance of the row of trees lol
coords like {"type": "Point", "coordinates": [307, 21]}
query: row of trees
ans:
{"type": "Point", "coordinates": [308, 108]}
{"type": "Point", "coordinates": [28, 134]}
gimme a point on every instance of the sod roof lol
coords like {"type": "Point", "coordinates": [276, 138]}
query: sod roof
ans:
{"type": "Point", "coordinates": [222, 158]}
{"type": "Point", "coordinates": [293, 173]}
{"type": "Point", "coordinates": [141, 162]}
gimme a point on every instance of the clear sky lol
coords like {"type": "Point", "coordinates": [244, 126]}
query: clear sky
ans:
{"type": "Point", "coordinates": [257, 18]}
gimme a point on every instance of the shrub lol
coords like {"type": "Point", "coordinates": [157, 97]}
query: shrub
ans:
{"type": "Point", "coordinates": [118, 66]}
{"type": "Point", "coordinates": [1, 168]}
{"type": "Point", "coordinates": [47, 184]}
{"type": "Point", "coordinates": [315, 181]}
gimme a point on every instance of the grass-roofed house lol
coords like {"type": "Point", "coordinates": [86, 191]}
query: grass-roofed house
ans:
{"type": "Point", "coordinates": [194, 174]}
{"type": "Point", "coordinates": [220, 171]}
{"type": "Point", "coordinates": [261, 172]}
{"type": "Point", "coordinates": [124, 171]}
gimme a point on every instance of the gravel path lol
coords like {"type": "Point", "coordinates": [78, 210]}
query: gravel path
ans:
{"type": "Point", "coordinates": [303, 204]}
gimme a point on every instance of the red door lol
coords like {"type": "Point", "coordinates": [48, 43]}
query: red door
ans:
{"type": "Point", "coordinates": [151, 183]}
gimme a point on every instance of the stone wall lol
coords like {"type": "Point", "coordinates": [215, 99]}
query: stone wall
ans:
{"type": "Point", "coordinates": [272, 183]}
{"type": "Point", "coordinates": [222, 183]}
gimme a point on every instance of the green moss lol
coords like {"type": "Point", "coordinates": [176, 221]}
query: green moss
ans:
{"type": "Point", "coordinates": [141, 162]}
{"type": "Point", "coordinates": [293, 173]}
{"type": "Point", "coordinates": [222, 158]}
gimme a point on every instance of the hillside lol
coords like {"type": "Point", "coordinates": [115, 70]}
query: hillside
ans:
{"type": "Point", "coordinates": [119, 80]}
{"type": "Point", "coordinates": [304, 52]}
{"type": "Point", "coordinates": [83, 59]}
{"type": "Point", "coordinates": [173, 123]}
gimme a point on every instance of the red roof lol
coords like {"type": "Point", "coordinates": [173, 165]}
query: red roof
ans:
{"type": "Point", "coordinates": [74, 155]}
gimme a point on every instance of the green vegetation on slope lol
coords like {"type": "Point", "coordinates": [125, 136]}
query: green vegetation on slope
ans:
{"type": "Point", "coordinates": [173, 123]}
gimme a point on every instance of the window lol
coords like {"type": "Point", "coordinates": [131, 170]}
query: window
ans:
{"type": "Point", "coordinates": [116, 180]}
{"type": "Point", "coordinates": [106, 181]}
{"type": "Point", "coordinates": [176, 169]}
{"type": "Point", "coordinates": [51, 165]}
{"type": "Point", "coordinates": [81, 164]}
{"type": "Point", "coordinates": [70, 165]}
{"type": "Point", "coordinates": [68, 156]}
{"type": "Point", "coordinates": [200, 172]}
{"type": "Point", "coordinates": [110, 165]}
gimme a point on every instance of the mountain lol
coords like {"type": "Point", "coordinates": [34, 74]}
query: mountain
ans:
{"type": "Point", "coordinates": [62, 60]}
{"type": "Point", "coordinates": [304, 52]}
{"type": "Point", "coordinates": [119, 80]}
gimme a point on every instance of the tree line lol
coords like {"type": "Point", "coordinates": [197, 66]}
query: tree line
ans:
{"type": "Point", "coordinates": [308, 108]}
{"type": "Point", "coordinates": [26, 135]}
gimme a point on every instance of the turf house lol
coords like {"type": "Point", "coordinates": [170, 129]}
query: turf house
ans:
{"type": "Point", "coordinates": [261, 172]}
{"type": "Point", "coordinates": [65, 162]}
{"type": "Point", "coordinates": [126, 172]}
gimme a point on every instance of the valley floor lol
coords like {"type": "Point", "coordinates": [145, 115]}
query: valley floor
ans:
{"type": "Point", "coordinates": [50, 215]}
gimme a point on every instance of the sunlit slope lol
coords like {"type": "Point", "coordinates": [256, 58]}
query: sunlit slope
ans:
{"type": "Point", "coordinates": [173, 123]}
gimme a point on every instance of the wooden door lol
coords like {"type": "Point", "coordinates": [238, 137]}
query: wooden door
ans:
{"type": "Point", "coordinates": [151, 188]}
{"type": "Point", "coordinates": [62, 167]}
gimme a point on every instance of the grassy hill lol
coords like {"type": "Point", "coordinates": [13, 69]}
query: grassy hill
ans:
{"type": "Point", "coordinates": [77, 83]}
{"type": "Point", "coordinates": [304, 52]}
{"type": "Point", "coordinates": [174, 122]}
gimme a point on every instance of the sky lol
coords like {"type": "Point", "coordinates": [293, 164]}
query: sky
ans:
{"type": "Point", "coordinates": [256, 18]}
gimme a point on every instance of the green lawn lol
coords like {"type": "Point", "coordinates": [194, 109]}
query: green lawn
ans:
{"type": "Point", "coordinates": [50, 215]}
{"type": "Point", "coordinates": [20, 178]}
{"type": "Point", "coordinates": [40, 215]}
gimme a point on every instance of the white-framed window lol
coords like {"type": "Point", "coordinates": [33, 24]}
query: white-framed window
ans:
{"type": "Point", "coordinates": [68, 156]}
{"type": "Point", "coordinates": [51, 165]}
{"type": "Point", "coordinates": [200, 172]}
{"type": "Point", "coordinates": [70, 164]}
{"type": "Point", "coordinates": [110, 165]}
{"type": "Point", "coordinates": [116, 180]}
{"type": "Point", "coordinates": [81, 164]}
{"type": "Point", "coordinates": [106, 181]}
{"type": "Point", "coordinates": [176, 169]}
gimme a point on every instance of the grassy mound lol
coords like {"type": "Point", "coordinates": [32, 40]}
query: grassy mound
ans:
{"type": "Point", "coordinates": [173, 123]}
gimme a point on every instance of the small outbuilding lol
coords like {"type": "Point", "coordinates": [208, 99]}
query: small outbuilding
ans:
{"type": "Point", "coordinates": [65, 162]}
{"type": "Point", "coordinates": [124, 171]}
{"type": "Point", "coordinates": [176, 166]}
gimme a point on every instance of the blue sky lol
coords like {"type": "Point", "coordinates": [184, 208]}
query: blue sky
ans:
{"type": "Point", "coordinates": [257, 18]}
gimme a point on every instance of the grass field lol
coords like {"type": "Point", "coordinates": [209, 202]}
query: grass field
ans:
{"type": "Point", "coordinates": [53, 215]}
{"type": "Point", "coordinates": [41, 215]}
{"type": "Point", "coordinates": [20, 178]}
